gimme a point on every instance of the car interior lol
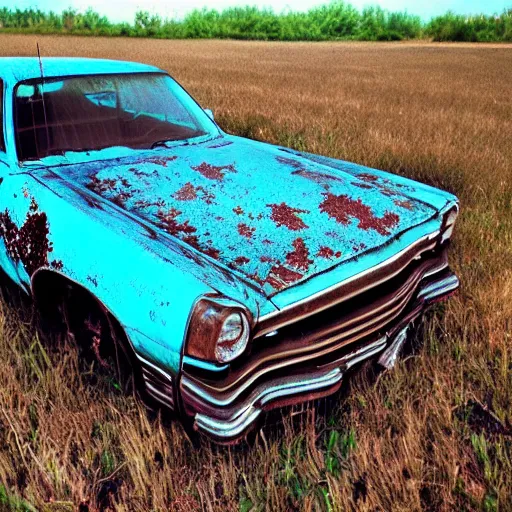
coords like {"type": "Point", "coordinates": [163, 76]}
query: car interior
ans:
{"type": "Point", "coordinates": [64, 120]}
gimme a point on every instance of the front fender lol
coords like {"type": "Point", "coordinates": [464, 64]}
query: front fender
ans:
{"type": "Point", "coordinates": [148, 282]}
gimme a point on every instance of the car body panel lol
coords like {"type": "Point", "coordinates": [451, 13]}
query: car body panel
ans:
{"type": "Point", "coordinates": [277, 220]}
{"type": "Point", "coordinates": [150, 232]}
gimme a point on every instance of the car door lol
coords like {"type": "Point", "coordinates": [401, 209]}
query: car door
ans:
{"type": "Point", "coordinates": [17, 196]}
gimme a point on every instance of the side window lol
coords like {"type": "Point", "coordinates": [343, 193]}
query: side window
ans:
{"type": "Point", "coordinates": [2, 140]}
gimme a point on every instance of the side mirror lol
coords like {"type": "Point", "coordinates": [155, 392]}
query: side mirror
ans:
{"type": "Point", "coordinates": [209, 113]}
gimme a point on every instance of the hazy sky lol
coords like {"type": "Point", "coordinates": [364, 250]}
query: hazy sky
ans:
{"type": "Point", "coordinates": [124, 10]}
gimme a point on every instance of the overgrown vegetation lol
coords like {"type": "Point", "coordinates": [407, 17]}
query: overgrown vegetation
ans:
{"type": "Point", "coordinates": [334, 21]}
{"type": "Point", "coordinates": [434, 434]}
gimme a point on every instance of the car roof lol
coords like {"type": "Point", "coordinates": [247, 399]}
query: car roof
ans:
{"type": "Point", "coordinates": [16, 69]}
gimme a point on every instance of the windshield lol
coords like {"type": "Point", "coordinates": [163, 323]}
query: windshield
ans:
{"type": "Point", "coordinates": [137, 111]}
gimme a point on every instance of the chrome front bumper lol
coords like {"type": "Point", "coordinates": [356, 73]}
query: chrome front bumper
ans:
{"type": "Point", "coordinates": [228, 416]}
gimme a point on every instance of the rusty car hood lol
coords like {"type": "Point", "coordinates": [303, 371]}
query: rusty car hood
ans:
{"type": "Point", "coordinates": [272, 216]}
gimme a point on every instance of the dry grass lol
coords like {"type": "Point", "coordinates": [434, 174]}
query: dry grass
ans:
{"type": "Point", "coordinates": [407, 440]}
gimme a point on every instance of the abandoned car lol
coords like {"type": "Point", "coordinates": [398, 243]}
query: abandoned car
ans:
{"type": "Point", "coordinates": [242, 276]}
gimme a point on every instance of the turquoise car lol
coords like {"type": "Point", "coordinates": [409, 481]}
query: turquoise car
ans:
{"type": "Point", "coordinates": [236, 276]}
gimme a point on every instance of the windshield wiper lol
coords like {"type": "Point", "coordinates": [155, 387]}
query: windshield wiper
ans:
{"type": "Point", "coordinates": [162, 142]}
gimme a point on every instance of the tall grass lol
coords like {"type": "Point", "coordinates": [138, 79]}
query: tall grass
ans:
{"type": "Point", "coordinates": [435, 434]}
{"type": "Point", "coordinates": [334, 21]}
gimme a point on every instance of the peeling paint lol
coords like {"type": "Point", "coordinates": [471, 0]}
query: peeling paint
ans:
{"type": "Point", "coordinates": [214, 172]}
{"type": "Point", "coordinates": [57, 264]}
{"type": "Point", "coordinates": [325, 252]}
{"type": "Point", "coordinates": [171, 225]}
{"type": "Point", "coordinates": [28, 244]}
{"type": "Point", "coordinates": [93, 280]}
{"type": "Point", "coordinates": [186, 193]}
{"type": "Point", "coordinates": [157, 160]}
{"type": "Point", "coordinates": [246, 231]}
{"type": "Point", "coordinates": [279, 277]}
{"type": "Point", "coordinates": [298, 258]}
{"type": "Point", "coordinates": [342, 208]}
{"type": "Point", "coordinates": [284, 215]}
{"type": "Point", "coordinates": [404, 204]}
{"type": "Point", "coordinates": [224, 211]}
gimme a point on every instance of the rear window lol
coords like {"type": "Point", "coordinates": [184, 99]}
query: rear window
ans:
{"type": "Point", "coordinates": [2, 142]}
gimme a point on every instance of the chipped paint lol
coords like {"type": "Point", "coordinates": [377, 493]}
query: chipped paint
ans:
{"type": "Point", "coordinates": [325, 252]}
{"type": "Point", "coordinates": [246, 231]}
{"type": "Point", "coordinates": [342, 208]}
{"type": "Point", "coordinates": [214, 172]}
{"type": "Point", "coordinates": [57, 264]}
{"type": "Point", "coordinates": [28, 244]}
{"type": "Point", "coordinates": [284, 215]}
{"type": "Point", "coordinates": [186, 193]}
{"type": "Point", "coordinates": [404, 204]}
{"type": "Point", "coordinates": [222, 204]}
{"type": "Point", "coordinates": [298, 258]}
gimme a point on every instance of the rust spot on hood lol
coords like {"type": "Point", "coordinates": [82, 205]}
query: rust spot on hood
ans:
{"type": "Point", "coordinates": [300, 170]}
{"type": "Point", "coordinates": [325, 252]}
{"type": "Point", "coordinates": [238, 210]}
{"type": "Point", "coordinates": [404, 204]}
{"type": "Point", "coordinates": [386, 186]}
{"type": "Point", "coordinates": [299, 257]}
{"type": "Point", "coordinates": [186, 193]}
{"type": "Point", "coordinates": [362, 185]}
{"type": "Point", "coordinates": [316, 176]}
{"type": "Point", "coordinates": [242, 260]}
{"type": "Point", "coordinates": [246, 230]}
{"type": "Point", "coordinates": [123, 187]}
{"type": "Point", "coordinates": [28, 244]}
{"type": "Point", "coordinates": [171, 225]}
{"type": "Point", "coordinates": [284, 215]}
{"type": "Point", "coordinates": [157, 160]}
{"type": "Point", "coordinates": [212, 252]}
{"type": "Point", "coordinates": [213, 172]}
{"type": "Point", "coordinates": [220, 144]}
{"type": "Point", "coordinates": [342, 208]}
{"type": "Point", "coordinates": [366, 176]}
{"type": "Point", "coordinates": [279, 277]}
{"type": "Point", "coordinates": [290, 162]}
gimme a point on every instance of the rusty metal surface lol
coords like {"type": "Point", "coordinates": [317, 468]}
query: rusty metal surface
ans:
{"type": "Point", "coordinates": [276, 220]}
{"type": "Point", "coordinates": [286, 235]}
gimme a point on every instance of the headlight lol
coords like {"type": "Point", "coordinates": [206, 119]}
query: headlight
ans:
{"type": "Point", "coordinates": [233, 338]}
{"type": "Point", "coordinates": [449, 218]}
{"type": "Point", "coordinates": [219, 330]}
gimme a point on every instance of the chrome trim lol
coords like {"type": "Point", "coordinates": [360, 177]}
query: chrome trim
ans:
{"type": "Point", "coordinates": [158, 383]}
{"type": "Point", "coordinates": [390, 355]}
{"type": "Point", "coordinates": [154, 367]}
{"type": "Point", "coordinates": [349, 360]}
{"type": "Point", "coordinates": [348, 336]}
{"type": "Point", "coordinates": [238, 423]}
{"type": "Point", "coordinates": [227, 419]}
{"type": "Point", "coordinates": [356, 277]}
{"type": "Point", "coordinates": [164, 398]}
{"type": "Point", "coordinates": [441, 287]}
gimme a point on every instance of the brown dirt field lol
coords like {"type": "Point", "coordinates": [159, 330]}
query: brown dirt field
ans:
{"type": "Point", "coordinates": [434, 434]}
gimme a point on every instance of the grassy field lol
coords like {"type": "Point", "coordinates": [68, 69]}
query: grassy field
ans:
{"type": "Point", "coordinates": [434, 434]}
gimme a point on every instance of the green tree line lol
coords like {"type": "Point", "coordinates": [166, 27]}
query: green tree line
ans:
{"type": "Point", "coordinates": [334, 21]}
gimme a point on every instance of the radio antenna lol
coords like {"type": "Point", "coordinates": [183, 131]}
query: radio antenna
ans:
{"type": "Point", "coordinates": [42, 99]}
